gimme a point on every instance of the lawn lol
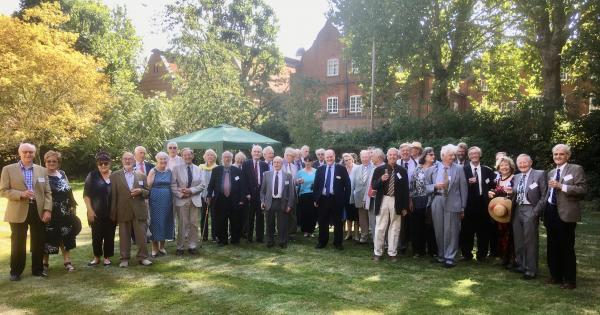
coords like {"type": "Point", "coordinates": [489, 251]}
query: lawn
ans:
{"type": "Point", "coordinates": [252, 279]}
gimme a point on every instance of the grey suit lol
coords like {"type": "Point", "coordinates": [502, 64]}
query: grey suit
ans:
{"type": "Point", "coordinates": [525, 218]}
{"type": "Point", "coordinates": [446, 210]}
{"type": "Point", "coordinates": [357, 197]}
{"type": "Point", "coordinates": [276, 207]}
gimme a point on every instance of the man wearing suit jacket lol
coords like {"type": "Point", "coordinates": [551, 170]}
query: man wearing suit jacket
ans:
{"type": "Point", "coordinates": [405, 160]}
{"type": "Point", "coordinates": [187, 185]}
{"type": "Point", "coordinates": [477, 221]}
{"type": "Point", "coordinates": [141, 165]}
{"type": "Point", "coordinates": [252, 171]}
{"type": "Point", "coordinates": [391, 204]}
{"type": "Point", "coordinates": [291, 168]}
{"type": "Point", "coordinates": [447, 182]}
{"type": "Point", "coordinates": [128, 208]}
{"type": "Point", "coordinates": [320, 153]}
{"type": "Point", "coordinates": [26, 187]}
{"type": "Point", "coordinates": [566, 187]}
{"type": "Point", "coordinates": [277, 197]}
{"type": "Point", "coordinates": [331, 192]}
{"type": "Point", "coordinates": [360, 184]}
{"type": "Point", "coordinates": [225, 195]}
{"type": "Point", "coordinates": [530, 187]}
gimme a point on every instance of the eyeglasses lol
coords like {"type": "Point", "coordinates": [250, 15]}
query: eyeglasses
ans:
{"type": "Point", "coordinates": [28, 152]}
{"type": "Point", "coordinates": [103, 163]}
{"type": "Point", "coordinates": [172, 148]}
{"type": "Point", "coordinates": [51, 161]}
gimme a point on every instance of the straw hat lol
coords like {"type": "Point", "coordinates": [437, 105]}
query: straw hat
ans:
{"type": "Point", "coordinates": [500, 209]}
{"type": "Point", "coordinates": [416, 144]}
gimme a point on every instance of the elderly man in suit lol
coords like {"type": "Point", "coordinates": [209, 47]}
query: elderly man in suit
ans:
{"type": "Point", "coordinates": [187, 185]}
{"type": "Point", "coordinates": [174, 158]}
{"type": "Point", "coordinates": [141, 165]}
{"type": "Point", "coordinates": [447, 182]}
{"type": "Point", "coordinates": [128, 208]}
{"type": "Point", "coordinates": [359, 185]}
{"type": "Point", "coordinates": [331, 192]}
{"type": "Point", "coordinates": [391, 204]}
{"type": "Point", "coordinates": [530, 187]}
{"type": "Point", "coordinates": [477, 221]}
{"type": "Point", "coordinates": [26, 187]}
{"type": "Point", "coordinates": [225, 194]}
{"type": "Point", "coordinates": [405, 160]}
{"type": "Point", "coordinates": [377, 159]}
{"type": "Point", "coordinates": [252, 171]}
{"type": "Point", "coordinates": [268, 154]}
{"type": "Point", "coordinates": [290, 167]}
{"type": "Point", "coordinates": [277, 197]}
{"type": "Point", "coordinates": [566, 188]}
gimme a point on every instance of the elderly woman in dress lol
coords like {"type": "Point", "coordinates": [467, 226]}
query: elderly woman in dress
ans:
{"type": "Point", "coordinates": [505, 245]}
{"type": "Point", "coordinates": [162, 224]}
{"type": "Point", "coordinates": [60, 232]}
{"type": "Point", "coordinates": [96, 195]}
{"type": "Point", "coordinates": [448, 184]}
{"type": "Point", "coordinates": [210, 162]}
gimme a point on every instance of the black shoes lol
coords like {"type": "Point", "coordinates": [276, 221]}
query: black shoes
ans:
{"type": "Point", "coordinates": [193, 251]}
{"type": "Point", "coordinates": [320, 246]}
{"type": "Point", "coordinates": [15, 278]}
{"type": "Point", "coordinates": [339, 247]}
{"type": "Point", "coordinates": [179, 252]}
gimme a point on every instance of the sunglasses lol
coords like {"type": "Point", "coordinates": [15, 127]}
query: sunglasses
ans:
{"type": "Point", "coordinates": [103, 163]}
{"type": "Point", "coordinates": [173, 148]}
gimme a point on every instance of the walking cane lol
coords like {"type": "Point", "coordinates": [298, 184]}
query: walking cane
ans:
{"type": "Point", "coordinates": [205, 225]}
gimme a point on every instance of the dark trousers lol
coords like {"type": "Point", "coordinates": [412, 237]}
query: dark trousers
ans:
{"type": "Point", "coordinates": [308, 213]}
{"type": "Point", "coordinates": [493, 240]}
{"type": "Point", "coordinates": [329, 213]}
{"type": "Point", "coordinates": [103, 237]}
{"type": "Point", "coordinates": [227, 212]}
{"type": "Point", "coordinates": [560, 249]}
{"type": "Point", "coordinates": [204, 218]}
{"type": "Point", "coordinates": [255, 215]}
{"type": "Point", "coordinates": [475, 223]}
{"type": "Point", "coordinates": [18, 243]}
{"type": "Point", "coordinates": [418, 231]}
{"type": "Point", "coordinates": [277, 212]}
{"type": "Point", "coordinates": [405, 232]}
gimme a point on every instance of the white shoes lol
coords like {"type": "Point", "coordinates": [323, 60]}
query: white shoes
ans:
{"type": "Point", "coordinates": [124, 264]}
{"type": "Point", "coordinates": [145, 262]}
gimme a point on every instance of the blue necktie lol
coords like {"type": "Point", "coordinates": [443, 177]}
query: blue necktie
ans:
{"type": "Point", "coordinates": [328, 181]}
{"type": "Point", "coordinates": [553, 200]}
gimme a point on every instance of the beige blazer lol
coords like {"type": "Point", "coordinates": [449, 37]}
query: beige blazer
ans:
{"type": "Point", "coordinates": [180, 180]}
{"type": "Point", "coordinates": [568, 202]}
{"type": "Point", "coordinates": [123, 207]}
{"type": "Point", "coordinates": [12, 183]}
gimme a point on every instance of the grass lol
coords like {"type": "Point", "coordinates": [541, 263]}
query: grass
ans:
{"type": "Point", "coordinates": [251, 279]}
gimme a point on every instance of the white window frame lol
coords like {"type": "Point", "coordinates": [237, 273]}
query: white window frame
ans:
{"type": "Point", "coordinates": [333, 67]}
{"type": "Point", "coordinates": [333, 105]}
{"type": "Point", "coordinates": [354, 68]}
{"type": "Point", "coordinates": [356, 104]}
{"type": "Point", "coordinates": [563, 76]}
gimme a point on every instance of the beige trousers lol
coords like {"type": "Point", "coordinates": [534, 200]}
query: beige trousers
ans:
{"type": "Point", "coordinates": [187, 225]}
{"type": "Point", "coordinates": [387, 219]}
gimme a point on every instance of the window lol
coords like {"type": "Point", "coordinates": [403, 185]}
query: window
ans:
{"type": "Point", "coordinates": [355, 104]}
{"type": "Point", "coordinates": [332, 105]}
{"type": "Point", "coordinates": [333, 67]}
{"type": "Point", "coordinates": [354, 68]}
{"type": "Point", "coordinates": [563, 76]}
{"type": "Point", "coordinates": [483, 85]}
{"type": "Point", "coordinates": [155, 68]}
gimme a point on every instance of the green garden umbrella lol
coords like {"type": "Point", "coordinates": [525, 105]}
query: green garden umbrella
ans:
{"type": "Point", "coordinates": [224, 137]}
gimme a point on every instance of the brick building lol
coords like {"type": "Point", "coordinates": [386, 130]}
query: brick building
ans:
{"type": "Point", "coordinates": [158, 75]}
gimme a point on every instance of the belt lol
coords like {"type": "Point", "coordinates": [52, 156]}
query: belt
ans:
{"type": "Point", "coordinates": [276, 198]}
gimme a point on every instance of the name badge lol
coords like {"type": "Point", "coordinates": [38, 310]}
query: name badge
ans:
{"type": "Point", "coordinates": [287, 182]}
{"type": "Point", "coordinates": [141, 183]}
{"type": "Point", "coordinates": [533, 186]}
{"type": "Point", "coordinates": [399, 176]}
{"type": "Point", "coordinates": [568, 177]}
{"type": "Point", "coordinates": [41, 180]}
{"type": "Point", "coordinates": [487, 180]}
{"type": "Point", "coordinates": [338, 177]}
{"type": "Point", "coordinates": [236, 178]}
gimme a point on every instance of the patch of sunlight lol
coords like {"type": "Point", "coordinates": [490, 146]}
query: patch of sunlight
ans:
{"type": "Point", "coordinates": [374, 278]}
{"type": "Point", "coordinates": [267, 262]}
{"type": "Point", "coordinates": [354, 311]}
{"type": "Point", "coordinates": [463, 287]}
{"type": "Point", "coordinates": [5, 309]}
{"type": "Point", "coordinates": [443, 302]}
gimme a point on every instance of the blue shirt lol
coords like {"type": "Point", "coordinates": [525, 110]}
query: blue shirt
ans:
{"type": "Point", "coordinates": [27, 175]}
{"type": "Point", "coordinates": [329, 169]}
{"type": "Point", "coordinates": [309, 179]}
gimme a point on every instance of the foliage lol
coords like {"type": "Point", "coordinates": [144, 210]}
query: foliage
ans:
{"type": "Point", "coordinates": [50, 93]}
{"type": "Point", "coordinates": [303, 109]}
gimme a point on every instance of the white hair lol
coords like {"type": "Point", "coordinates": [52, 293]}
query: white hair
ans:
{"type": "Point", "coordinates": [240, 155]}
{"type": "Point", "coordinates": [187, 149]}
{"type": "Point", "coordinates": [26, 144]}
{"type": "Point", "coordinates": [305, 147]}
{"type": "Point", "coordinates": [139, 148]}
{"type": "Point", "coordinates": [320, 150]}
{"type": "Point", "coordinates": [227, 153]}
{"type": "Point", "coordinates": [476, 149]}
{"type": "Point", "coordinates": [379, 153]}
{"type": "Point", "coordinates": [256, 146]}
{"type": "Point", "coordinates": [290, 151]}
{"type": "Point", "coordinates": [524, 156]}
{"type": "Point", "coordinates": [448, 149]}
{"type": "Point", "coordinates": [404, 145]}
{"type": "Point", "coordinates": [364, 152]}
{"type": "Point", "coordinates": [278, 158]}
{"type": "Point", "coordinates": [562, 147]}
{"type": "Point", "coordinates": [268, 149]}
{"type": "Point", "coordinates": [392, 149]}
{"type": "Point", "coordinates": [161, 154]}
{"type": "Point", "coordinates": [172, 142]}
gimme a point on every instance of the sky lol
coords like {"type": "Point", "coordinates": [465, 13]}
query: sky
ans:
{"type": "Point", "coordinates": [299, 21]}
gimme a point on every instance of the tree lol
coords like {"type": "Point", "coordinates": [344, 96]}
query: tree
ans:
{"type": "Point", "coordinates": [303, 107]}
{"type": "Point", "coordinates": [50, 93]}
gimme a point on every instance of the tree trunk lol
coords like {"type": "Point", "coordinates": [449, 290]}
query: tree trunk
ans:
{"type": "Point", "coordinates": [439, 96]}
{"type": "Point", "coordinates": [552, 97]}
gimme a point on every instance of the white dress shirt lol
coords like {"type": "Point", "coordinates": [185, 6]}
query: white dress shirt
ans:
{"type": "Point", "coordinates": [563, 187]}
{"type": "Point", "coordinates": [280, 184]}
{"type": "Point", "coordinates": [478, 167]}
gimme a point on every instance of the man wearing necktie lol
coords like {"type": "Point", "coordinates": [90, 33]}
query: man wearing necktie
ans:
{"type": "Point", "coordinates": [141, 165]}
{"type": "Point", "coordinates": [391, 204]}
{"type": "Point", "coordinates": [447, 182]}
{"type": "Point", "coordinates": [252, 171]}
{"type": "Point", "coordinates": [331, 192]}
{"type": "Point", "coordinates": [566, 188]}
{"type": "Point", "coordinates": [187, 185]}
{"type": "Point", "coordinates": [406, 161]}
{"type": "Point", "coordinates": [225, 194]}
{"type": "Point", "coordinates": [277, 195]}
{"type": "Point", "coordinates": [528, 201]}
{"type": "Point", "coordinates": [360, 184]}
{"type": "Point", "coordinates": [290, 168]}
{"type": "Point", "coordinates": [477, 220]}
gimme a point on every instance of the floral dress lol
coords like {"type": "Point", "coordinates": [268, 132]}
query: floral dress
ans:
{"type": "Point", "coordinates": [63, 225]}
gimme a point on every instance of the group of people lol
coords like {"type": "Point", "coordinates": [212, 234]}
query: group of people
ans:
{"type": "Point", "coordinates": [402, 198]}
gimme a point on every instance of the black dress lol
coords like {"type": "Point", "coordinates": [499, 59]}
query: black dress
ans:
{"type": "Point", "coordinates": [62, 227]}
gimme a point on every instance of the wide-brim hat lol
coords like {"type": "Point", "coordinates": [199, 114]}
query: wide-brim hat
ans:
{"type": "Point", "coordinates": [500, 209]}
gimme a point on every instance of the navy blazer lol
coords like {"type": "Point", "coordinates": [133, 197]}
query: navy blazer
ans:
{"type": "Point", "coordinates": [341, 185]}
{"type": "Point", "coordinates": [216, 180]}
{"type": "Point", "coordinates": [401, 193]}
{"type": "Point", "coordinates": [474, 201]}
{"type": "Point", "coordinates": [251, 185]}
{"type": "Point", "coordinates": [147, 166]}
